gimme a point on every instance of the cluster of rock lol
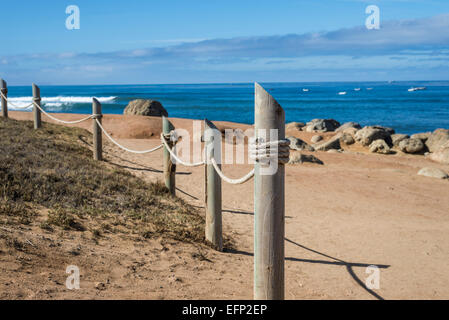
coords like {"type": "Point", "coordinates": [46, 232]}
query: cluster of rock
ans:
{"type": "Point", "coordinates": [378, 139]}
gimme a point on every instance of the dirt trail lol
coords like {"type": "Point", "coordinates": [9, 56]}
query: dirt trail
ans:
{"type": "Point", "coordinates": [354, 211]}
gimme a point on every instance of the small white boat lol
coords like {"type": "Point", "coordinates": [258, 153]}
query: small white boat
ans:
{"type": "Point", "coordinates": [305, 90]}
{"type": "Point", "coordinates": [416, 89]}
{"type": "Point", "coordinates": [357, 89]}
{"type": "Point", "coordinates": [342, 93]}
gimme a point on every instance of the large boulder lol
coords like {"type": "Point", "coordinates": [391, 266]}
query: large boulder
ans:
{"type": "Point", "coordinates": [423, 136]}
{"type": "Point", "coordinates": [411, 146]}
{"type": "Point", "coordinates": [369, 134]}
{"type": "Point", "coordinates": [348, 125]}
{"type": "Point", "coordinates": [322, 125]}
{"type": "Point", "coordinates": [379, 146]}
{"type": "Point", "coordinates": [433, 173]}
{"type": "Point", "coordinates": [298, 144]}
{"type": "Point", "coordinates": [397, 138]}
{"type": "Point", "coordinates": [437, 139]}
{"type": "Point", "coordinates": [333, 143]}
{"type": "Point", "coordinates": [441, 155]}
{"type": "Point", "coordinates": [145, 107]}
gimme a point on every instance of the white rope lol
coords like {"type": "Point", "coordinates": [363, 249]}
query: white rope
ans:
{"type": "Point", "coordinates": [264, 152]}
{"type": "Point", "coordinates": [187, 164]}
{"type": "Point", "coordinates": [59, 120]}
{"type": "Point", "coordinates": [13, 105]}
{"type": "Point", "coordinates": [122, 147]}
{"type": "Point", "coordinates": [241, 180]}
{"type": "Point", "coordinates": [277, 149]}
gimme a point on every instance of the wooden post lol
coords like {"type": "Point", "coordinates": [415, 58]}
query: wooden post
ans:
{"type": "Point", "coordinates": [36, 111]}
{"type": "Point", "coordinates": [96, 130]}
{"type": "Point", "coordinates": [269, 224]}
{"type": "Point", "coordinates": [4, 90]}
{"type": "Point", "coordinates": [169, 166]}
{"type": "Point", "coordinates": [213, 186]}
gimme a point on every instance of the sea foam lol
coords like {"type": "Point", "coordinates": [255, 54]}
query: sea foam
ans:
{"type": "Point", "coordinates": [53, 102]}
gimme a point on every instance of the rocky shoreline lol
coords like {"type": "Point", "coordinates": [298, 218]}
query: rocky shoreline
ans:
{"type": "Point", "coordinates": [332, 136]}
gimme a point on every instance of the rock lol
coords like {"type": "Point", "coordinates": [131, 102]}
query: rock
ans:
{"type": "Point", "coordinates": [348, 125]}
{"type": "Point", "coordinates": [351, 131]}
{"type": "Point", "coordinates": [333, 143]}
{"type": "Point", "coordinates": [421, 136]}
{"type": "Point", "coordinates": [297, 157]}
{"type": "Point", "coordinates": [316, 139]}
{"type": "Point", "coordinates": [322, 125]}
{"type": "Point", "coordinates": [298, 144]}
{"type": "Point", "coordinates": [437, 139]}
{"type": "Point", "coordinates": [433, 173]}
{"type": "Point", "coordinates": [411, 146]}
{"type": "Point", "coordinates": [294, 125]}
{"type": "Point", "coordinates": [397, 138]}
{"type": "Point", "coordinates": [100, 286]}
{"type": "Point", "coordinates": [442, 155]}
{"type": "Point", "coordinates": [379, 146]}
{"type": "Point", "coordinates": [369, 134]}
{"type": "Point", "coordinates": [387, 129]}
{"type": "Point", "coordinates": [347, 139]}
{"type": "Point", "coordinates": [145, 107]}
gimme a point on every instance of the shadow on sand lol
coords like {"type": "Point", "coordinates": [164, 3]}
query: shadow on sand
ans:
{"type": "Point", "coordinates": [337, 262]}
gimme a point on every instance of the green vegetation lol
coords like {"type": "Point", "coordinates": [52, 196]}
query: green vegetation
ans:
{"type": "Point", "coordinates": [51, 170]}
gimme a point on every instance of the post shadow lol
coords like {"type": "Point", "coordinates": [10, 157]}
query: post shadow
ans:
{"type": "Point", "coordinates": [337, 262]}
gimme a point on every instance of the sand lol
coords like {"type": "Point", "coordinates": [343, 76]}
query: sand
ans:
{"type": "Point", "coordinates": [356, 210]}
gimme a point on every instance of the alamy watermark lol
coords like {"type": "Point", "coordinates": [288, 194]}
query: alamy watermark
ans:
{"type": "Point", "coordinates": [73, 20]}
{"type": "Point", "coordinates": [373, 20]}
{"type": "Point", "coordinates": [373, 280]}
{"type": "Point", "coordinates": [73, 280]}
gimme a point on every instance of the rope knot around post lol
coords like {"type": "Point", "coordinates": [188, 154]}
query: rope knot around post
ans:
{"type": "Point", "coordinates": [37, 99]}
{"type": "Point", "coordinates": [97, 116]}
{"type": "Point", "coordinates": [263, 152]}
{"type": "Point", "coordinates": [4, 90]}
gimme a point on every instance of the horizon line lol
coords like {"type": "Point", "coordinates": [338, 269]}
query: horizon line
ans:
{"type": "Point", "coordinates": [228, 83]}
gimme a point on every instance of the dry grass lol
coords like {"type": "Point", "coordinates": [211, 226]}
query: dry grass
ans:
{"type": "Point", "coordinates": [50, 169]}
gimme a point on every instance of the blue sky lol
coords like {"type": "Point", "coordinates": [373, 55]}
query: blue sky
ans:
{"type": "Point", "coordinates": [200, 41]}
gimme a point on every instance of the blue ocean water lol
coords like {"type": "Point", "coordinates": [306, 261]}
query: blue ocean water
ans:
{"type": "Point", "coordinates": [388, 104]}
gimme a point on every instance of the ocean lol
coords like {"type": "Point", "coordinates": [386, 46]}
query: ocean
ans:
{"type": "Point", "coordinates": [376, 103]}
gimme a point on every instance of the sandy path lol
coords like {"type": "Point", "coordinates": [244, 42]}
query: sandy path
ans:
{"type": "Point", "coordinates": [356, 210]}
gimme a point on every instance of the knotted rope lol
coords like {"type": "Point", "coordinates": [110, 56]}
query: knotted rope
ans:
{"type": "Point", "coordinates": [266, 151]}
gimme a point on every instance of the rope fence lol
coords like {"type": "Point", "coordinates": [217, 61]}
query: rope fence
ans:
{"type": "Point", "coordinates": [269, 189]}
{"type": "Point", "coordinates": [14, 105]}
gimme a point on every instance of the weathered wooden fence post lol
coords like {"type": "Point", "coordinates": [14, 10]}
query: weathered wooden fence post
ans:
{"type": "Point", "coordinates": [4, 90]}
{"type": "Point", "coordinates": [213, 186]}
{"type": "Point", "coordinates": [96, 130]}
{"type": "Point", "coordinates": [268, 205]}
{"type": "Point", "coordinates": [169, 166]}
{"type": "Point", "coordinates": [36, 111]}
